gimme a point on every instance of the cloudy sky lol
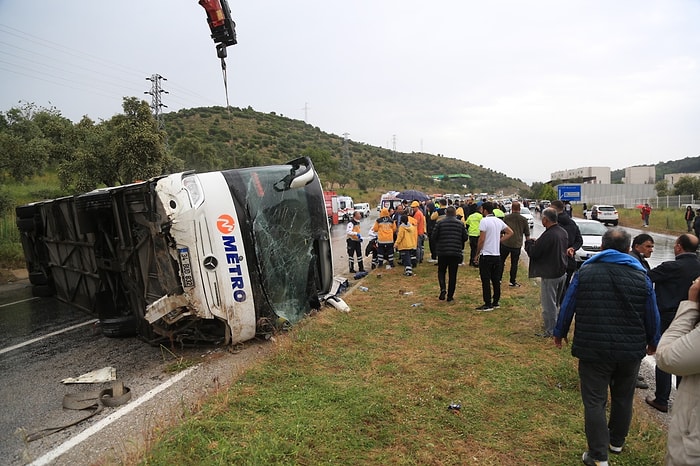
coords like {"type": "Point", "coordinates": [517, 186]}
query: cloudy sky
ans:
{"type": "Point", "coordinates": [523, 87]}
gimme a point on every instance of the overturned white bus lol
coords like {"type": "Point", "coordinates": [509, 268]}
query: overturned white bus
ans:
{"type": "Point", "coordinates": [213, 257]}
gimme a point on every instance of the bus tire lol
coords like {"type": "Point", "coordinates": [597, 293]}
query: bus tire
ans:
{"type": "Point", "coordinates": [118, 327]}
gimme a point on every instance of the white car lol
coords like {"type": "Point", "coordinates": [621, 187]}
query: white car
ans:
{"type": "Point", "coordinates": [592, 234]}
{"type": "Point", "coordinates": [363, 208]}
{"type": "Point", "coordinates": [525, 212]}
{"type": "Point", "coordinates": [604, 214]}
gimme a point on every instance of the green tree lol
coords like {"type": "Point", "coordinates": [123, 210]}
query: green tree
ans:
{"type": "Point", "coordinates": [687, 185]}
{"type": "Point", "coordinates": [30, 138]}
{"type": "Point", "coordinates": [124, 149]}
{"type": "Point", "coordinates": [324, 162]}
{"type": "Point", "coordinates": [547, 192]}
{"type": "Point", "coordinates": [83, 169]}
{"type": "Point", "coordinates": [661, 187]}
{"type": "Point", "coordinates": [193, 154]}
{"type": "Point", "coordinates": [136, 148]}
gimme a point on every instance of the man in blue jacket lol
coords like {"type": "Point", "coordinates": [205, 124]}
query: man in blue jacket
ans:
{"type": "Point", "coordinates": [617, 323]}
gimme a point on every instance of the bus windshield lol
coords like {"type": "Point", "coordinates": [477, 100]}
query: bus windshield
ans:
{"type": "Point", "coordinates": [288, 230]}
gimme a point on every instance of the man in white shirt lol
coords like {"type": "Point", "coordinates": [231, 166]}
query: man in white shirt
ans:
{"type": "Point", "coordinates": [492, 230]}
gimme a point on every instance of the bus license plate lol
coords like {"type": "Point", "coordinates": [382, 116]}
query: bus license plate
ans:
{"type": "Point", "coordinates": [186, 267]}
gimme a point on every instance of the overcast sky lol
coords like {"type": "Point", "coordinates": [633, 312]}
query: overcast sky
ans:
{"type": "Point", "coordinates": [523, 87]}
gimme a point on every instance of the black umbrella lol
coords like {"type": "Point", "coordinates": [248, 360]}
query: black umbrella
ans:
{"type": "Point", "coordinates": [413, 195]}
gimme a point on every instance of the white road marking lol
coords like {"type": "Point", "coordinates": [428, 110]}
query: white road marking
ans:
{"type": "Point", "coordinates": [43, 337]}
{"type": "Point", "coordinates": [18, 302]}
{"type": "Point", "coordinates": [95, 428]}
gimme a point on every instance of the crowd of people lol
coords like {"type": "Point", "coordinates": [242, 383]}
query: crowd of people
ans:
{"type": "Point", "coordinates": [623, 308]}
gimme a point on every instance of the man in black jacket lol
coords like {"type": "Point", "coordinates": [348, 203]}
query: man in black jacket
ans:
{"type": "Point", "coordinates": [548, 261]}
{"type": "Point", "coordinates": [575, 239]}
{"type": "Point", "coordinates": [449, 235]}
{"type": "Point", "coordinates": [672, 280]}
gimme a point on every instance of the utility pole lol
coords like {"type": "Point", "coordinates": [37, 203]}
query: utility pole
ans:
{"type": "Point", "coordinates": [156, 104]}
{"type": "Point", "coordinates": [306, 112]}
{"type": "Point", "coordinates": [347, 163]}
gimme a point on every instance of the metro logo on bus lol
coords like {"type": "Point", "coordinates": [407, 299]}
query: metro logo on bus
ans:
{"type": "Point", "coordinates": [226, 224]}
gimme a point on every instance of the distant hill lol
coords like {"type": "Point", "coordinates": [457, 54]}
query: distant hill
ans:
{"type": "Point", "coordinates": [686, 165]}
{"type": "Point", "coordinates": [211, 138]}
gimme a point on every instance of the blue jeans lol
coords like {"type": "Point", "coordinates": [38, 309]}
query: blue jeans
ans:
{"type": "Point", "coordinates": [550, 290]}
{"type": "Point", "coordinates": [596, 377]}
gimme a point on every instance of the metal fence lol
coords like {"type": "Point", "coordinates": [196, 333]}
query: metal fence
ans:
{"type": "Point", "coordinates": [660, 202]}
{"type": "Point", "coordinates": [657, 202]}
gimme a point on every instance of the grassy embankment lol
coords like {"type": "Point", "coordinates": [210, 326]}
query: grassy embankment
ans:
{"type": "Point", "coordinates": [37, 188]}
{"type": "Point", "coordinates": [373, 386]}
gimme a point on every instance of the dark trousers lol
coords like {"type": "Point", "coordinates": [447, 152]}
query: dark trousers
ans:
{"type": "Point", "coordinates": [514, 254]}
{"type": "Point", "coordinates": [473, 244]}
{"type": "Point", "coordinates": [354, 249]}
{"type": "Point", "coordinates": [490, 271]}
{"type": "Point", "coordinates": [663, 379]}
{"type": "Point", "coordinates": [385, 252]}
{"type": "Point", "coordinates": [449, 264]}
{"type": "Point", "coordinates": [596, 378]}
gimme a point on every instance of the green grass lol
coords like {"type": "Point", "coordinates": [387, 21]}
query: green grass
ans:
{"type": "Point", "coordinates": [664, 220]}
{"type": "Point", "coordinates": [40, 187]}
{"type": "Point", "coordinates": [373, 386]}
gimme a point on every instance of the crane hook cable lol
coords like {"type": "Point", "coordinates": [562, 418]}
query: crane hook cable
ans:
{"type": "Point", "coordinates": [223, 71]}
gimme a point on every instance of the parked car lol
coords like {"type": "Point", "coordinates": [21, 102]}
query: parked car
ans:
{"type": "Point", "coordinates": [592, 234]}
{"type": "Point", "coordinates": [363, 208]}
{"type": "Point", "coordinates": [606, 214]}
{"type": "Point", "coordinates": [525, 212]}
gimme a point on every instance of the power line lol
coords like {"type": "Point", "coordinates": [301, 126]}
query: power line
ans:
{"type": "Point", "coordinates": [74, 69]}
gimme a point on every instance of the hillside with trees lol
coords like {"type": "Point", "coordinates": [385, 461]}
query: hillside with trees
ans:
{"type": "Point", "coordinates": [212, 138]}
{"type": "Point", "coordinates": [133, 146]}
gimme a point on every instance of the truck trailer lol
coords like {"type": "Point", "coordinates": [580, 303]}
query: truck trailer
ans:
{"type": "Point", "coordinates": [215, 257]}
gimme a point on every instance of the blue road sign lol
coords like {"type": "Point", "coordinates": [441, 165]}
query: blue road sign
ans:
{"type": "Point", "coordinates": [569, 192]}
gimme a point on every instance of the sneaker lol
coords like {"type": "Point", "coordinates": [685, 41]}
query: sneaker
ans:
{"type": "Point", "coordinates": [442, 295]}
{"type": "Point", "coordinates": [516, 284]}
{"type": "Point", "coordinates": [485, 308]}
{"type": "Point", "coordinates": [544, 335]}
{"type": "Point", "coordinates": [588, 461]}
{"type": "Point", "coordinates": [388, 267]}
{"type": "Point", "coordinates": [450, 298]}
{"type": "Point", "coordinates": [614, 449]}
{"type": "Point", "coordinates": [496, 305]}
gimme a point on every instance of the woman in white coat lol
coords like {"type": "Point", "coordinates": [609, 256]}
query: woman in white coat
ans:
{"type": "Point", "coordinates": [679, 353]}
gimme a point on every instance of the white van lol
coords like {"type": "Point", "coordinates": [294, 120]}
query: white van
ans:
{"type": "Point", "coordinates": [363, 208]}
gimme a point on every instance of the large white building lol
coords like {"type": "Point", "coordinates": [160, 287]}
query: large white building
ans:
{"type": "Point", "coordinates": [672, 178]}
{"type": "Point", "coordinates": [589, 175]}
{"type": "Point", "coordinates": [640, 175]}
